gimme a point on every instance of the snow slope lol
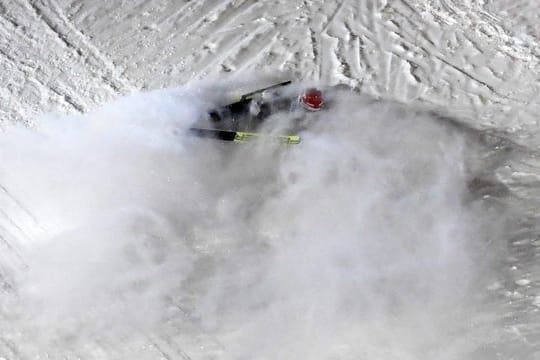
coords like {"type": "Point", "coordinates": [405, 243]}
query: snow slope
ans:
{"type": "Point", "coordinates": [415, 236]}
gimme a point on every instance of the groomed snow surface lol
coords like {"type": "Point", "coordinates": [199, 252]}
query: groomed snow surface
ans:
{"type": "Point", "coordinates": [404, 226]}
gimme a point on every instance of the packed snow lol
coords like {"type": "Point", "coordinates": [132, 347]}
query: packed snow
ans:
{"type": "Point", "coordinates": [404, 226]}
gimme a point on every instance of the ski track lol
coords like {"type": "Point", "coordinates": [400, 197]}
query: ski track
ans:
{"type": "Point", "coordinates": [77, 104]}
{"type": "Point", "coordinates": [386, 49]}
{"type": "Point", "coordinates": [41, 89]}
{"type": "Point", "coordinates": [64, 29]}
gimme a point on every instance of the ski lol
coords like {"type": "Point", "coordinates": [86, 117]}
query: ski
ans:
{"type": "Point", "coordinates": [250, 95]}
{"type": "Point", "coordinates": [243, 136]}
{"type": "Point", "coordinates": [241, 105]}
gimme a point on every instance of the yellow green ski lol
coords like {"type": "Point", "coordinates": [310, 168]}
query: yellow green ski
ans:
{"type": "Point", "coordinates": [243, 136]}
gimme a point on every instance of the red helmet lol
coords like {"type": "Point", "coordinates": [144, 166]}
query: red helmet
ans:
{"type": "Point", "coordinates": [312, 99]}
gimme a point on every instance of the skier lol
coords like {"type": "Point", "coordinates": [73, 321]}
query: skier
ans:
{"type": "Point", "coordinates": [267, 104]}
{"type": "Point", "coordinates": [231, 122]}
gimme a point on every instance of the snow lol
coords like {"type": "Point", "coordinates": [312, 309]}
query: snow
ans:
{"type": "Point", "coordinates": [122, 238]}
{"type": "Point", "coordinates": [523, 282]}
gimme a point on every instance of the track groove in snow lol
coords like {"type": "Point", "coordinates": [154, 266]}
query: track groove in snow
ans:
{"type": "Point", "coordinates": [72, 38]}
{"type": "Point", "coordinates": [31, 33]}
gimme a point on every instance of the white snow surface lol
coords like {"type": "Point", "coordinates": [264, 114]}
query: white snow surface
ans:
{"type": "Point", "coordinates": [404, 226]}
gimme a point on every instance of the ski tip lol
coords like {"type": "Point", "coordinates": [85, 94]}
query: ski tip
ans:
{"type": "Point", "coordinates": [284, 139]}
{"type": "Point", "coordinates": [294, 139]}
